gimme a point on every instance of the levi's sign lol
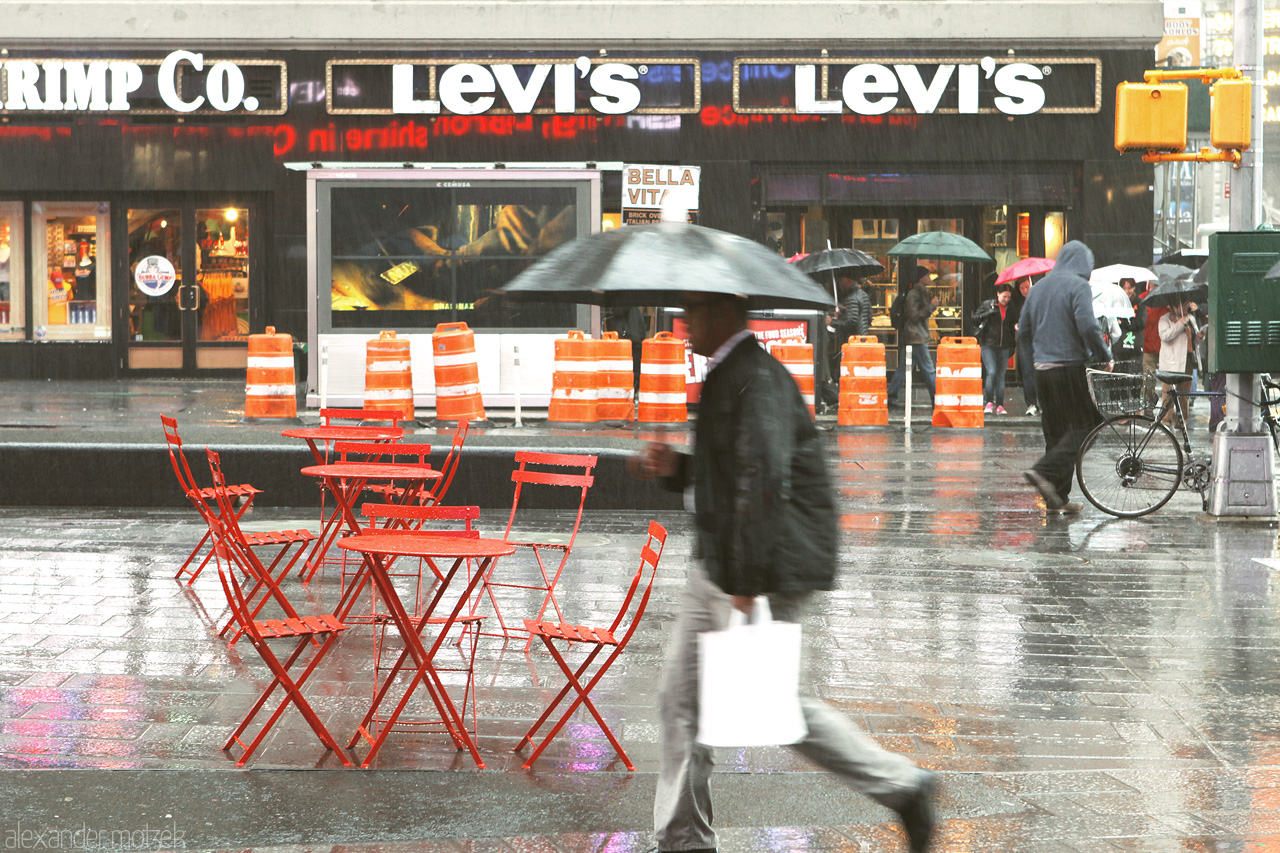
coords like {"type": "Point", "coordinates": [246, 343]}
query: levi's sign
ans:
{"type": "Point", "coordinates": [1011, 86]}
{"type": "Point", "coordinates": [182, 83]}
{"type": "Point", "coordinates": [518, 86]}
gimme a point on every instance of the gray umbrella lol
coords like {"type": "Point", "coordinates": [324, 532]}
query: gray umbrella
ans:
{"type": "Point", "coordinates": [656, 264]}
{"type": "Point", "coordinates": [1172, 291]}
{"type": "Point", "coordinates": [856, 262]}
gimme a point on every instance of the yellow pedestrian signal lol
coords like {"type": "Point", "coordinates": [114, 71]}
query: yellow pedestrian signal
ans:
{"type": "Point", "coordinates": [1230, 114]}
{"type": "Point", "coordinates": [1151, 117]}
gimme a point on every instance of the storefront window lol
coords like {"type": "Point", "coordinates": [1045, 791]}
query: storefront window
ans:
{"type": "Point", "coordinates": [70, 246]}
{"type": "Point", "coordinates": [412, 256]}
{"type": "Point", "coordinates": [155, 275]}
{"type": "Point", "coordinates": [222, 263]}
{"type": "Point", "coordinates": [12, 325]}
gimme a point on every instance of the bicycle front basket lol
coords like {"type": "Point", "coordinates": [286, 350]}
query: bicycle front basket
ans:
{"type": "Point", "coordinates": [1116, 393]}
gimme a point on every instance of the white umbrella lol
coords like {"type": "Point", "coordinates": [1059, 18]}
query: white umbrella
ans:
{"type": "Point", "coordinates": [1113, 273]}
{"type": "Point", "coordinates": [1110, 301]}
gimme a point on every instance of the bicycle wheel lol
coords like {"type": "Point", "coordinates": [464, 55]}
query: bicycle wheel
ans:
{"type": "Point", "coordinates": [1129, 466]}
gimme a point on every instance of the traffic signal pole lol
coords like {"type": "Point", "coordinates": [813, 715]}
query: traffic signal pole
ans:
{"type": "Point", "coordinates": [1241, 452]}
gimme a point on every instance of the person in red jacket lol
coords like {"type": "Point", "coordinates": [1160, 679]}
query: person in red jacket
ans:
{"type": "Point", "coordinates": [1150, 346]}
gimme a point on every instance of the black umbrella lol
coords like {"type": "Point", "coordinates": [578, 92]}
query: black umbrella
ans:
{"type": "Point", "coordinates": [1194, 258]}
{"type": "Point", "coordinates": [656, 264]}
{"type": "Point", "coordinates": [1172, 291]}
{"type": "Point", "coordinates": [857, 263]}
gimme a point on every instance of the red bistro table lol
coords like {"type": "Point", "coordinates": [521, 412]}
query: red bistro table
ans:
{"type": "Point", "coordinates": [376, 546]}
{"type": "Point", "coordinates": [327, 434]}
{"type": "Point", "coordinates": [345, 481]}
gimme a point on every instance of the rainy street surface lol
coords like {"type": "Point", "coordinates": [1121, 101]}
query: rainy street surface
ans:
{"type": "Point", "coordinates": [1081, 683]}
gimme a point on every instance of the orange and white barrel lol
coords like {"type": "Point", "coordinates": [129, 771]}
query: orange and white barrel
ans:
{"type": "Point", "coordinates": [269, 390]}
{"type": "Point", "coordinates": [798, 359]}
{"type": "Point", "coordinates": [453, 351]}
{"type": "Point", "coordinates": [662, 388]}
{"type": "Point", "coordinates": [388, 375]}
{"type": "Point", "coordinates": [958, 399]}
{"type": "Point", "coordinates": [574, 380]}
{"type": "Point", "coordinates": [864, 399]}
{"type": "Point", "coordinates": [616, 381]}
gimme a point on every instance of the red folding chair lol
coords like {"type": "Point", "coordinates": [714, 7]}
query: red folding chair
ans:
{"type": "Point", "coordinates": [531, 471]}
{"type": "Point", "coordinates": [362, 417]}
{"type": "Point", "coordinates": [314, 632]}
{"type": "Point", "coordinates": [200, 498]}
{"type": "Point", "coordinates": [435, 494]}
{"type": "Point", "coordinates": [417, 517]}
{"type": "Point", "coordinates": [240, 549]}
{"type": "Point", "coordinates": [615, 638]}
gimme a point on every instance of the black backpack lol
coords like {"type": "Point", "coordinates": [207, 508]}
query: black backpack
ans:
{"type": "Point", "coordinates": [898, 311]}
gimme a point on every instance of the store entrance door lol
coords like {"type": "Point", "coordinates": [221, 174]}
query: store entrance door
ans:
{"type": "Point", "coordinates": [189, 285]}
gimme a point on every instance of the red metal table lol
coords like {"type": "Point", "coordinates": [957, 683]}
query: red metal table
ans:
{"type": "Point", "coordinates": [327, 434]}
{"type": "Point", "coordinates": [377, 546]}
{"type": "Point", "coordinates": [345, 481]}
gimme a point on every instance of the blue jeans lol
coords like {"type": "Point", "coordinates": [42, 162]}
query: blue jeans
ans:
{"type": "Point", "coordinates": [995, 361]}
{"type": "Point", "coordinates": [922, 362]}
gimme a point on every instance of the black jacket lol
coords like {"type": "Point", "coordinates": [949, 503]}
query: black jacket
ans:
{"type": "Point", "coordinates": [990, 331]}
{"type": "Point", "coordinates": [765, 511]}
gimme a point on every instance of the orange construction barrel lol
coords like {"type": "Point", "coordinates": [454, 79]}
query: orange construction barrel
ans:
{"type": "Point", "coordinates": [453, 350]}
{"type": "Point", "coordinates": [864, 399]}
{"type": "Point", "coordinates": [616, 381]}
{"type": "Point", "coordinates": [662, 373]}
{"type": "Point", "coordinates": [269, 391]}
{"type": "Point", "coordinates": [388, 375]}
{"type": "Point", "coordinates": [798, 359]}
{"type": "Point", "coordinates": [574, 380]}
{"type": "Point", "coordinates": [958, 400]}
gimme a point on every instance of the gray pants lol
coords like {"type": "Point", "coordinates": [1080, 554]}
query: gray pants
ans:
{"type": "Point", "coordinates": [682, 805]}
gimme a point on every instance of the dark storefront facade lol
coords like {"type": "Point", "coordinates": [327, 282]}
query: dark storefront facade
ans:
{"type": "Point", "coordinates": [153, 214]}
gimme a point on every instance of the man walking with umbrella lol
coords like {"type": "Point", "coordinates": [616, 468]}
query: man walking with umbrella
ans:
{"type": "Point", "coordinates": [1060, 330]}
{"type": "Point", "coordinates": [919, 307]}
{"type": "Point", "coordinates": [765, 525]}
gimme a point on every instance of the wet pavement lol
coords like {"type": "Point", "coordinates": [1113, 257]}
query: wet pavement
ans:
{"type": "Point", "coordinates": [1081, 683]}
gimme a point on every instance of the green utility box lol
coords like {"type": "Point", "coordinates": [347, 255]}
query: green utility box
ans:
{"type": "Point", "coordinates": [1244, 308]}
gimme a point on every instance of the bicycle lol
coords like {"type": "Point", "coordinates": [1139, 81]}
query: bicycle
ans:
{"type": "Point", "coordinates": [1131, 464]}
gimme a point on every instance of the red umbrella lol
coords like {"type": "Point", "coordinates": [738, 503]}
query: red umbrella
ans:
{"type": "Point", "coordinates": [799, 256]}
{"type": "Point", "coordinates": [1024, 268]}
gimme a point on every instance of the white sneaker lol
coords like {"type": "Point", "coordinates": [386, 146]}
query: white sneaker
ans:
{"type": "Point", "coordinates": [1032, 410]}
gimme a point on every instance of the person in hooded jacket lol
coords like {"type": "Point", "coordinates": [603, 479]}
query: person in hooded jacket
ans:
{"type": "Point", "coordinates": [1063, 336]}
{"type": "Point", "coordinates": [997, 319]}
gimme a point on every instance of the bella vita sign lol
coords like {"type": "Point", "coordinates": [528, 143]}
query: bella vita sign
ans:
{"type": "Point", "coordinates": [184, 82]}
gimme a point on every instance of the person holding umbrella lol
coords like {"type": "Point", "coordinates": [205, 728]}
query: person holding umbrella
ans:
{"type": "Point", "coordinates": [919, 307]}
{"type": "Point", "coordinates": [996, 319]}
{"type": "Point", "coordinates": [1177, 341]}
{"type": "Point", "coordinates": [764, 509]}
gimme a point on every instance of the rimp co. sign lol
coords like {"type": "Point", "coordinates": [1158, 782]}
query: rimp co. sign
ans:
{"type": "Point", "coordinates": [183, 83]}
{"type": "Point", "coordinates": [831, 86]}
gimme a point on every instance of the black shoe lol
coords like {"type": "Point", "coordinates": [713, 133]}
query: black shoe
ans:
{"type": "Point", "coordinates": [1052, 499]}
{"type": "Point", "coordinates": [917, 816]}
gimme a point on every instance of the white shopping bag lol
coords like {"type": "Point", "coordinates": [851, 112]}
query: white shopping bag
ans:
{"type": "Point", "coordinates": [748, 682]}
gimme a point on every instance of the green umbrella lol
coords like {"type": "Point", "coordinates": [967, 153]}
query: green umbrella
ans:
{"type": "Point", "coordinates": [940, 245]}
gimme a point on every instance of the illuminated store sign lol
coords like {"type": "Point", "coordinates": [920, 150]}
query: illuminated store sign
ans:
{"type": "Point", "coordinates": [547, 86]}
{"type": "Point", "coordinates": [182, 83]}
{"type": "Point", "coordinates": [831, 86]}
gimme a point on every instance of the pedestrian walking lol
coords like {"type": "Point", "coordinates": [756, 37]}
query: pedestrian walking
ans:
{"type": "Point", "coordinates": [917, 309]}
{"type": "Point", "coordinates": [997, 320]}
{"type": "Point", "coordinates": [852, 317]}
{"type": "Point", "coordinates": [1150, 346]}
{"type": "Point", "coordinates": [765, 525]}
{"type": "Point", "coordinates": [1059, 326]}
{"type": "Point", "coordinates": [1025, 369]}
